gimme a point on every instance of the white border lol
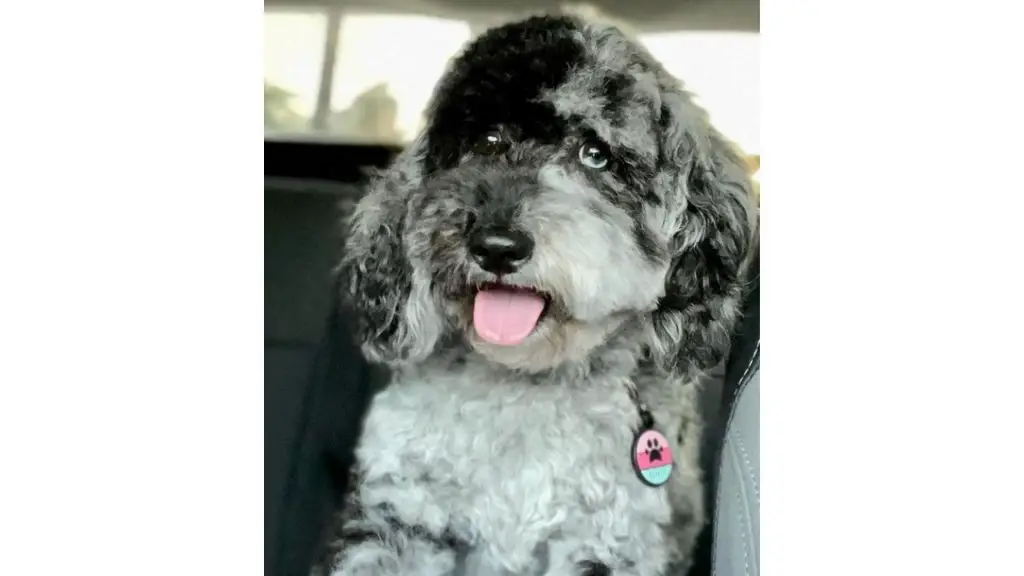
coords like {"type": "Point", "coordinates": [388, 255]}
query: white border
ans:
{"type": "Point", "coordinates": [891, 406]}
{"type": "Point", "coordinates": [131, 313]}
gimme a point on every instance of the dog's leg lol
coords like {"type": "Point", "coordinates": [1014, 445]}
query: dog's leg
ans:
{"type": "Point", "coordinates": [373, 542]}
{"type": "Point", "coordinates": [646, 552]}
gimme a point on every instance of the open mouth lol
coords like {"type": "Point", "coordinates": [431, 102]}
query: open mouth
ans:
{"type": "Point", "coordinates": [506, 315]}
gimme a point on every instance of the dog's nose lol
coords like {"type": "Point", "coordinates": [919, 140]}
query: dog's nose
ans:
{"type": "Point", "coordinates": [500, 250]}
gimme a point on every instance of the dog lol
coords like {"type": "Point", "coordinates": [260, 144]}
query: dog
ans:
{"type": "Point", "coordinates": [548, 270]}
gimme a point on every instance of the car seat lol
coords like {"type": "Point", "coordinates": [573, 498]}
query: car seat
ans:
{"type": "Point", "coordinates": [730, 543]}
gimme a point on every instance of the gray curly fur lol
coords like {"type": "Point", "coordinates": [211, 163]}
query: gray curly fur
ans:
{"type": "Point", "coordinates": [480, 459]}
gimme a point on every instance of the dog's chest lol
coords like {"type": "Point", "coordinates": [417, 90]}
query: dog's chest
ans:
{"type": "Point", "coordinates": [504, 464]}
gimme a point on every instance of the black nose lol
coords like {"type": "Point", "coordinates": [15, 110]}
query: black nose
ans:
{"type": "Point", "coordinates": [500, 250]}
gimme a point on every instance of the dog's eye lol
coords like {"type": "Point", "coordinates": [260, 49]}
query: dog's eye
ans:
{"type": "Point", "coordinates": [493, 142]}
{"type": "Point", "coordinates": [593, 156]}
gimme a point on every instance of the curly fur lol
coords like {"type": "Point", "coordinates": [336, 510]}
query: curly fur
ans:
{"type": "Point", "coordinates": [482, 459]}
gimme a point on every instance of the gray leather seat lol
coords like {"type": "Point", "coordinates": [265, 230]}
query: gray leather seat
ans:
{"type": "Point", "coordinates": [738, 498]}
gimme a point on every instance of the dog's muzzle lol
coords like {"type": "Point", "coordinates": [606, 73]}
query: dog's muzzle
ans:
{"type": "Point", "coordinates": [503, 313]}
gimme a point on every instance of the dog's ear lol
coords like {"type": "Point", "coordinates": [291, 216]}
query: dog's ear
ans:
{"type": "Point", "coordinates": [712, 233]}
{"type": "Point", "coordinates": [397, 319]}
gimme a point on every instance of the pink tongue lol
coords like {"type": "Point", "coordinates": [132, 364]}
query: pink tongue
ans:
{"type": "Point", "coordinates": [506, 317]}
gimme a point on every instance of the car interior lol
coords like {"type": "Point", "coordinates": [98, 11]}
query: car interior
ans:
{"type": "Point", "coordinates": [342, 93]}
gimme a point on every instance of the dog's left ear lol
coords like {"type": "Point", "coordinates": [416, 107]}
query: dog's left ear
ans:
{"type": "Point", "coordinates": [396, 318]}
{"type": "Point", "coordinates": [712, 237]}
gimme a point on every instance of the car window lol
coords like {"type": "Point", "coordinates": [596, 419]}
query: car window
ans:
{"type": "Point", "coordinates": [361, 76]}
{"type": "Point", "coordinates": [381, 98]}
{"type": "Point", "coordinates": [293, 57]}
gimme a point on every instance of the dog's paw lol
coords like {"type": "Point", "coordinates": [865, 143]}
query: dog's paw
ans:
{"type": "Point", "coordinates": [591, 568]}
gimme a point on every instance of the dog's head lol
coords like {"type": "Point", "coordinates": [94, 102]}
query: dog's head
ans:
{"type": "Point", "coordinates": [564, 187]}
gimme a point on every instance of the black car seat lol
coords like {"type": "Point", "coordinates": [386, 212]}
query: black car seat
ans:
{"type": "Point", "coordinates": [315, 385]}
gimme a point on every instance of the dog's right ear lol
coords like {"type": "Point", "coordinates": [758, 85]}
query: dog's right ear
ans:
{"type": "Point", "coordinates": [713, 238]}
{"type": "Point", "coordinates": [397, 320]}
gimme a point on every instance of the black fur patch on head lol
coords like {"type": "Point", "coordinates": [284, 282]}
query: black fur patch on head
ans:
{"type": "Point", "coordinates": [617, 90]}
{"type": "Point", "coordinates": [497, 81]}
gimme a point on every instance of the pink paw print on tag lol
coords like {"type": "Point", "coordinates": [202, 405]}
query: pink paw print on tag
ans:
{"type": "Point", "coordinates": [652, 457]}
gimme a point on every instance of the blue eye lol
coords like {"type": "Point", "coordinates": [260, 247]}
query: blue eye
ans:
{"type": "Point", "coordinates": [593, 156]}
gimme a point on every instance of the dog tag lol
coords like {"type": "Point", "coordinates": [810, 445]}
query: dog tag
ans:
{"type": "Point", "coordinates": [652, 457]}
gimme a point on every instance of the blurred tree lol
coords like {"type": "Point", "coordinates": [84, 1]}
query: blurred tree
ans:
{"type": "Point", "coordinates": [278, 114]}
{"type": "Point", "coordinates": [372, 116]}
